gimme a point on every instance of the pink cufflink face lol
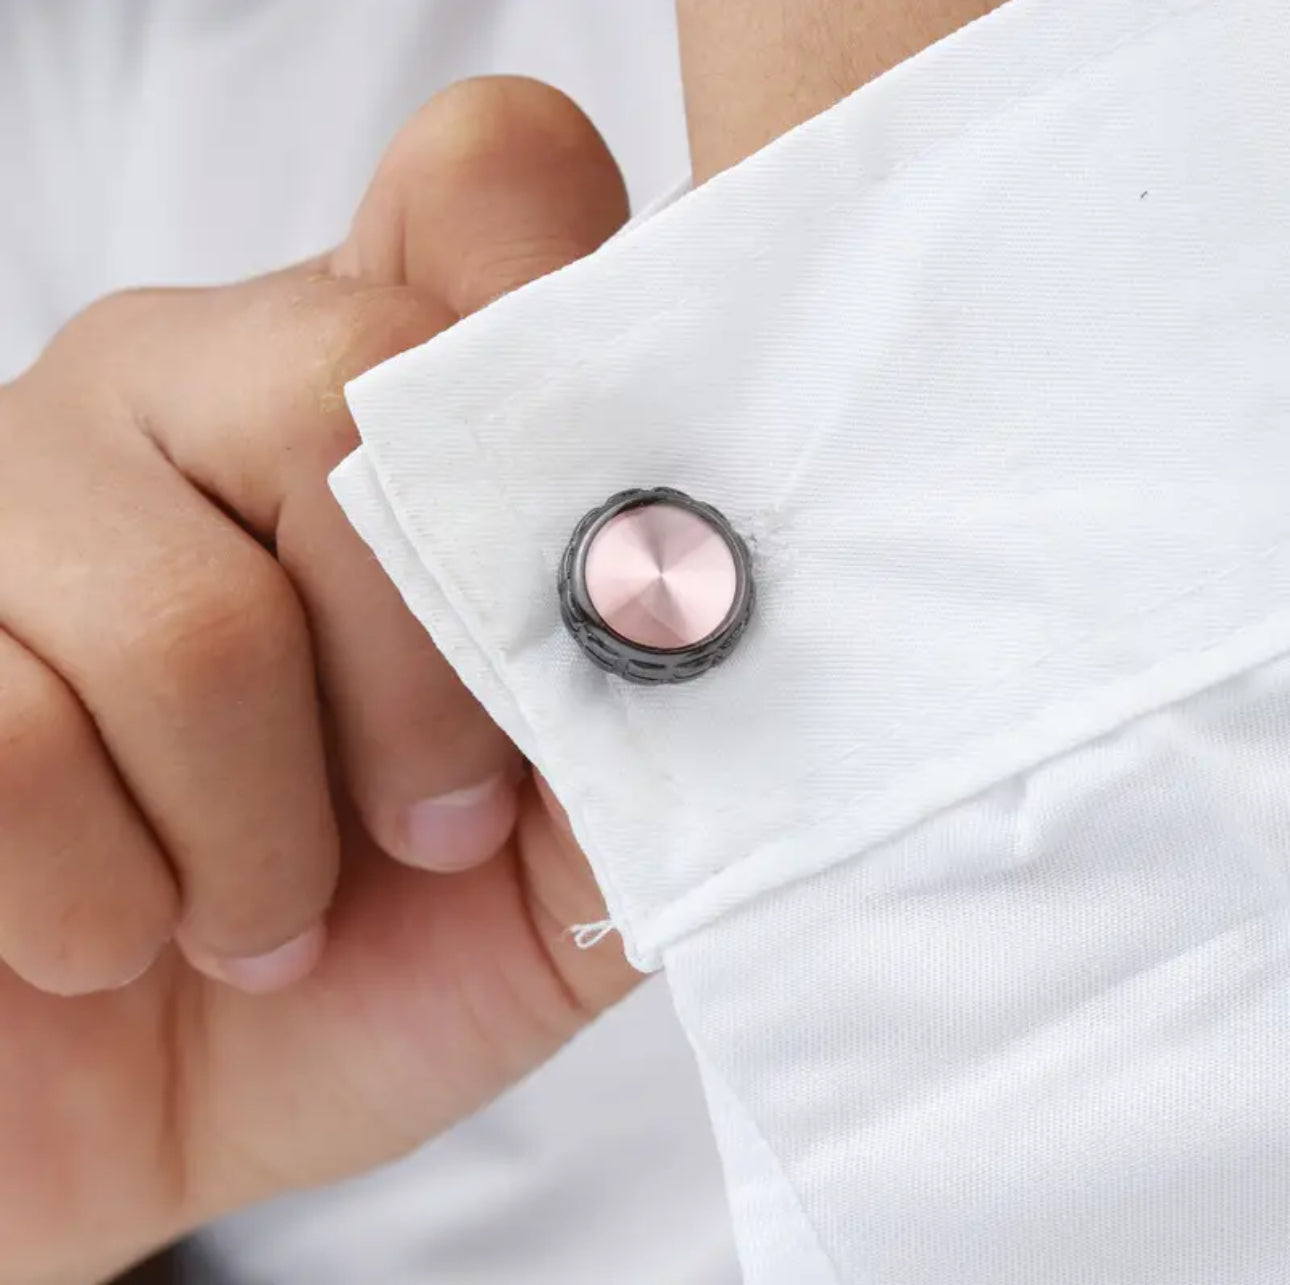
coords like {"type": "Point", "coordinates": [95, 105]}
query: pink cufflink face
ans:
{"type": "Point", "coordinates": [661, 576]}
{"type": "Point", "coordinates": [655, 586]}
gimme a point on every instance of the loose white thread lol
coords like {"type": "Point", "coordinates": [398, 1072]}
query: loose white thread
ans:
{"type": "Point", "coordinates": [585, 936]}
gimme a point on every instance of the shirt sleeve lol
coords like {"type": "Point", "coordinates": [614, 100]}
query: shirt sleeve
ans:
{"type": "Point", "coordinates": [968, 869]}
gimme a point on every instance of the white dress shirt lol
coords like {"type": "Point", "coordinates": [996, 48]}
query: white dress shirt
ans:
{"type": "Point", "coordinates": [969, 870]}
{"type": "Point", "coordinates": [200, 141]}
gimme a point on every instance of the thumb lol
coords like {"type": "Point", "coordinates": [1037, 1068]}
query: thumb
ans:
{"type": "Point", "coordinates": [496, 182]}
{"type": "Point", "coordinates": [493, 183]}
{"type": "Point", "coordinates": [753, 69]}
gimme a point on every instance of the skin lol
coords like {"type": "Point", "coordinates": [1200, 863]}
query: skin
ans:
{"type": "Point", "coordinates": [171, 773]}
{"type": "Point", "coordinates": [753, 69]}
{"type": "Point", "coordinates": [190, 784]}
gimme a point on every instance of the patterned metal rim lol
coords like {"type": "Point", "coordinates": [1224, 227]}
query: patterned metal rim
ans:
{"type": "Point", "coordinates": [618, 655]}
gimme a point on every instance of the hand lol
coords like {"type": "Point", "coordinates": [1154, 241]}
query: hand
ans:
{"type": "Point", "coordinates": [171, 567]}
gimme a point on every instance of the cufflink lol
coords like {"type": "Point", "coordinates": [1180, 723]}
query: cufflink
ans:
{"type": "Point", "coordinates": [655, 586]}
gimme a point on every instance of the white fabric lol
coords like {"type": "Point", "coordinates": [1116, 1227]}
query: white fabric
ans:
{"type": "Point", "coordinates": [197, 141]}
{"type": "Point", "coordinates": [969, 870]}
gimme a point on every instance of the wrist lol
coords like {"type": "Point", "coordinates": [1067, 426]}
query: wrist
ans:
{"type": "Point", "coordinates": [802, 55]}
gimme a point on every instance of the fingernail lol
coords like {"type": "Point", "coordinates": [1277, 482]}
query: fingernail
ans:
{"type": "Point", "coordinates": [461, 829]}
{"type": "Point", "coordinates": [141, 970]}
{"type": "Point", "coordinates": [275, 969]}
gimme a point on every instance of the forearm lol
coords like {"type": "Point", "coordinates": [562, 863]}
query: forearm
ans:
{"type": "Point", "coordinates": [756, 68]}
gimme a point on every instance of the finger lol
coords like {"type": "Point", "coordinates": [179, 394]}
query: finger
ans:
{"type": "Point", "coordinates": [276, 353]}
{"type": "Point", "coordinates": [86, 898]}
{"type": "Point", "coordinates": [494, 183]}
{"type": "Point", "coordinates": [753, 69]}
{"type": "Point", "coordinates": [183, 641]}
{"type": "Point", "coordinates": [489, 186]}
{"type": "Point", "coordinates": [430, 772]}
{"type": "Point", "coordinates": [432, 776]}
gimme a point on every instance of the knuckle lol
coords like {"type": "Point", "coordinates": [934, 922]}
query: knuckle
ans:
{"type": "Point", "coordinates": [100, 324]}
{"type": "Point", "coordinates": [380, 322]}
{"type": "Point", "coordinates": [111, 311]}
{"type": "Point", "coordinates": [349, 330]}
{"type": "Point", "coordinates": [214, 629]}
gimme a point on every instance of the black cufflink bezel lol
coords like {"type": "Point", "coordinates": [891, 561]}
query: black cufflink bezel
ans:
{"type": "Point", "coordinates": [628, 660]}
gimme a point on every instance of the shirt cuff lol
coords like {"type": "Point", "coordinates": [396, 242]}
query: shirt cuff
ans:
{"type": "Point", "coordinates": [983, 363]}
